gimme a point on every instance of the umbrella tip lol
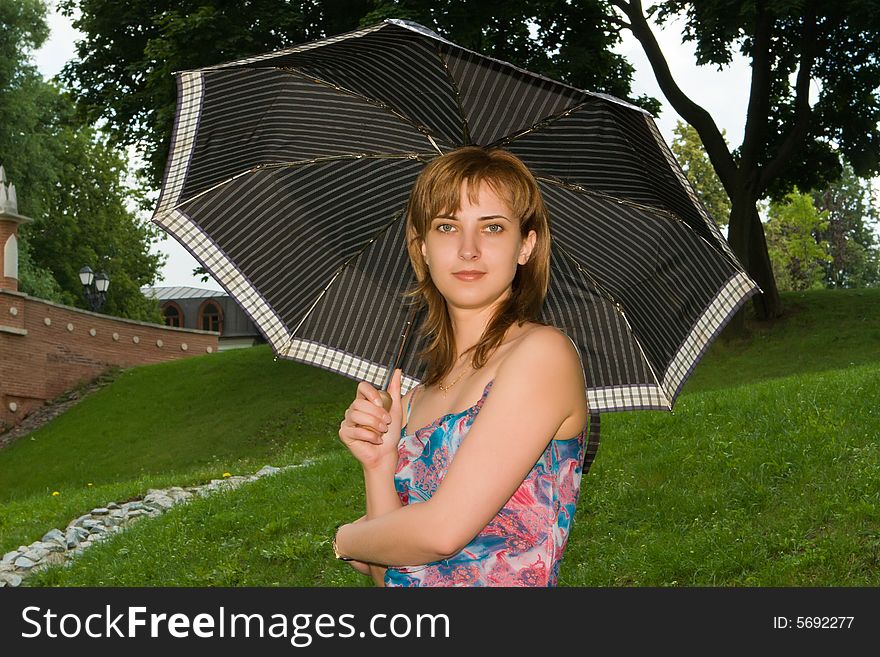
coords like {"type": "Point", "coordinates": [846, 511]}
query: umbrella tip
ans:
{"type": "Point", "coordinates": [415, 27]}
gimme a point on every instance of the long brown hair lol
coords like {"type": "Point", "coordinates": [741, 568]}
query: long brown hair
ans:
{"type": "Point", "coordinates": [437, 190]}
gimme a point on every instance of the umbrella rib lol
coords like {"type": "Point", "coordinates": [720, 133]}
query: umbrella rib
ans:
{"type": "Point", "coordinates": [465, 126]}
{"type": "Point", "coordinates": [574, 187]}
{"type": "Point", "coordinates": [370, 101]}
{"type": "Point", "coordinates": [543, 123]}
{"type": "Point", "coordinates": [647, 209]}
{"type": "Point", "coordinates": [617, 305]}
{"type": "Point", "coordinates": [382, 231]}
{"type": "Point", "coordinates": [605, 293]}
{"type": "Point", "coordinates": [419, 157]}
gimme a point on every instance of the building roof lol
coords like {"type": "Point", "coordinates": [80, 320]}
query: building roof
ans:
{"type": "Point", "coordinates": [181, 292]}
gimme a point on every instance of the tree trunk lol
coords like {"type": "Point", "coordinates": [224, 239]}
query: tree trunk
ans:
{"type": "Point", "coordinates": [767, 305]}
{"type": "Point", "coordinates": [746, 238]}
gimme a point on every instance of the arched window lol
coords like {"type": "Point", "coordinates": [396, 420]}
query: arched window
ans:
{"type": "Point", "coordinates": [210, 317]}
{"type": "Point", "coordinates": [173, 314]}
{"type": "Point", "coordinates": [10, 258]}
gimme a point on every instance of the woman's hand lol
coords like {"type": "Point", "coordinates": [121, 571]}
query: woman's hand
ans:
{"type": "Point", "coordinates": [368, 430]}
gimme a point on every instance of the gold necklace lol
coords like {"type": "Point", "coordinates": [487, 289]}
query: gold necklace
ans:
{"type": "Point", "coordinates": [445, 389]}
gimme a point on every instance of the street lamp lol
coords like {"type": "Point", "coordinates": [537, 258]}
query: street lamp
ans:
{"type": "Point", "coordinates": [94, 287]}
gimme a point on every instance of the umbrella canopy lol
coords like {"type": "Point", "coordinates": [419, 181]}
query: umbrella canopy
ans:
{"type": "Point", "coordinates": [289, 174]}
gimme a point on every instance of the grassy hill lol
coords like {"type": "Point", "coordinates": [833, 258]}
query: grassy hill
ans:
{"type": "Point", "coordinates": [768, 472]}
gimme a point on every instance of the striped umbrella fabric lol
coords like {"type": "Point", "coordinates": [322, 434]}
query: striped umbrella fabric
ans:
{"type": "Point", "coordinates": [289, 173]}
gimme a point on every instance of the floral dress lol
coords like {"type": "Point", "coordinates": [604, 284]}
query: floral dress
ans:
{"type": "Point", "coordinates": [523, 544]}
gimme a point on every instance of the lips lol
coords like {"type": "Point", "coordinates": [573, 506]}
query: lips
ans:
{"type": "Point", "coordinates": [469, 275]}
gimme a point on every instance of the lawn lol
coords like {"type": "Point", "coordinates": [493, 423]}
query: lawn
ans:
{"type": "Point", "coordinates": [768, 472]}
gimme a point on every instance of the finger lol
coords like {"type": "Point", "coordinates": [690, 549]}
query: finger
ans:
{"type": "Point", "coordinates": [367, 420]}
{"type": "Point", "coordinates": [394, 390]}
{"type": "Point", "coordinates": [363, 434]}
{"type": "Point", "coordinates": [368, 392]}
{"type": "Point", "coordinates": [370, 408]}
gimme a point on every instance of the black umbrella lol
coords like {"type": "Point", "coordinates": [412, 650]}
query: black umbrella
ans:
{"type": "Point", "coordinates": [289, 173]}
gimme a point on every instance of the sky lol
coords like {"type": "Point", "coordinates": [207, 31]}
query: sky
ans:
{"type": "Point", "coordinates": [723, 93]}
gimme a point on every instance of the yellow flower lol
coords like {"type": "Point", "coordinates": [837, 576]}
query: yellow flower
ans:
{"type": "Point", "coordinates": [226, 474]}
{"type": "Point", "coordinates": [55, 493]}
{"type": "Point", "coordinates": [89, 484]}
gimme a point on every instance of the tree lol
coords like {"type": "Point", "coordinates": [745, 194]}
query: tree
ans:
{"type": "Point", "coordinates": [69, 181]}
{"type": "Point", "coordinates": [787, 140]}
{"type": "Point", "coordinates": [124, 72]}
{"type": "Point", "coordinates": [853, 218]}
{"type": "Point", "coordinates": [689, 152]}
{"type": "Point", "coordinates": [798, 253]}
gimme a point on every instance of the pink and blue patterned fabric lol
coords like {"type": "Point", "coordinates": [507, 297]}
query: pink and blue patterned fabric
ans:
{"type": "Point", "coordinates": [523, 544]}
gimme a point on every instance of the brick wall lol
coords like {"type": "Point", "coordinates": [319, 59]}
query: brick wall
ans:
{"type": "Point", "coordinates": [47, 348]}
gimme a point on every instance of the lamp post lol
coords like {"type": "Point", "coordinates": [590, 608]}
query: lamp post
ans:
{"type": "Point", "coordinates": [94, 287]}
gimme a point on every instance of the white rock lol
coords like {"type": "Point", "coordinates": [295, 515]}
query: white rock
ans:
{"type": "Point", "coordinates": [53, 536]}
{"type": "Point", "coordinates": [36, 553]}
{"type": "Point", "coordinates": [162, 501]}
{"type": "Point", "coordinates": [266, 470]}
{"type": "Point", "coordinates": [100, 511]}
{"type": "Point", "coordinates": [10, 579]}
{"type": "Point", "coordinates": [24, 563]}
{"type": "Point", "coordinates": [9, 557]}
{"type": "Point", "coordinates": [80, 521]}
{"type": "Point", "coordinates": [52, 546]}
{"type": "Point", "coordinates": [72, 538]}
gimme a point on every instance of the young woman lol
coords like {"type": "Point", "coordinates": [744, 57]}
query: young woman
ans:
{"type": "Point", "coordinates": [476, 482]}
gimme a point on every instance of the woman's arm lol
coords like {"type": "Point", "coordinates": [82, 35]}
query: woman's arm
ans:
{"type": "Point", "coordinates": [537, 387]}
{"type": "Point", "coordinates": [381, 497]}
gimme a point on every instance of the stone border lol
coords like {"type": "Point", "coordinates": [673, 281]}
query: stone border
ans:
{"type": "Point", "coordinates": [57, 547]}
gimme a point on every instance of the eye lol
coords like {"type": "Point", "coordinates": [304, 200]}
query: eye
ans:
{"type": "Point", "coordinates": [444, 228]}
{"type": "Point", "coordinates": [494, 228]}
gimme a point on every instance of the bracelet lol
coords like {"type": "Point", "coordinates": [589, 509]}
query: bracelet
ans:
{"type": "Point", "coordinates": [335, 551]}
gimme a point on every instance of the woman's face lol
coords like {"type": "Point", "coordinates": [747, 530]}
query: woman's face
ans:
{"type": "Point", "coordinates": [472, 253]}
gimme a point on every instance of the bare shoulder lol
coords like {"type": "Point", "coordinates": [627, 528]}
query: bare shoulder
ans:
{"type": "Point", "coordinates": [550, 345]}
{"type": "Point", "coordinates": [545, 356]}
{"type": "Point", "coordinates": [544, 367]}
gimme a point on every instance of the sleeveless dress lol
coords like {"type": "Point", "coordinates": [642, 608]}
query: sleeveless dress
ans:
{"type": "Point", "coordinates": [523, 544]}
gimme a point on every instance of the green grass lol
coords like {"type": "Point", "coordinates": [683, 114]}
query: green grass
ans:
{"type": "Point", "coordinates": [768, 472]}
{"type": "Point", "coordinates": [178, 423]}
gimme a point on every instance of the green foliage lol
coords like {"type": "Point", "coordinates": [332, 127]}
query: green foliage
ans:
{"type": "Point", "coordinates": [689, 151]}
{"type": "Point", "coordinates": [797, 252]}
{"type": "Point", "coordinates": [35, 280]}
{"type": "Point", "coordinates": [853, 217]}
{"type": "Point", "coordinates": [71, 182]}
{"type": "Point", "coordinates": [826, 238]}
{"type": "Point", "coordinates": [22, 28]}
{"type": "Point", "coordinates": [124, 72]}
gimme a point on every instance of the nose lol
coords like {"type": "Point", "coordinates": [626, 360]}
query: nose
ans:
{"type": "Point", "coordinates": [468, 247]}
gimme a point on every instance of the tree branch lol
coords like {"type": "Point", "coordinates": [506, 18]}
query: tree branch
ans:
{"type": "Point", "coordinates": [795, 137]}
{"type": "Point", "coordinates": [615, 20]}
{"type": "Point", "coordinates": [699, 118]}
